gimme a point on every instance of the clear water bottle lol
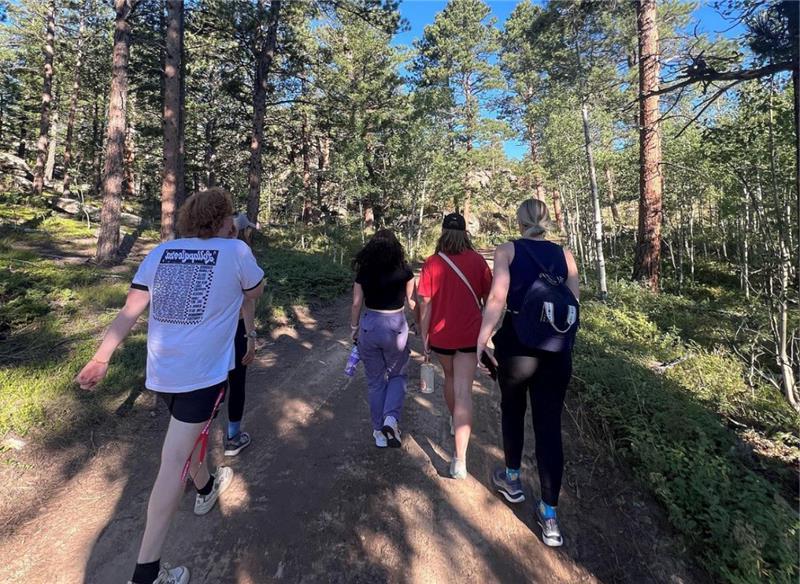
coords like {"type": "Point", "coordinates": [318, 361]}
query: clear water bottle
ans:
{"type": "Point", "coordinates": [352, 361]}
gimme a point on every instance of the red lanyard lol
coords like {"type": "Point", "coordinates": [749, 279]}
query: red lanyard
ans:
{"type": "Point", "coordinates": [202, 439]}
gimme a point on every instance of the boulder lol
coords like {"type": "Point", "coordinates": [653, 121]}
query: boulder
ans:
{"type": "Point", "coordinates": [75, 208]}
{"type": "Point", "coordinates": [15, 166]}
{"type": "Point", "coordinates": [15, 174]}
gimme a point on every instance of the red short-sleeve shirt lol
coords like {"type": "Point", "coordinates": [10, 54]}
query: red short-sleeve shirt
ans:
{"type": "Point", "coordinates": [455, 318]}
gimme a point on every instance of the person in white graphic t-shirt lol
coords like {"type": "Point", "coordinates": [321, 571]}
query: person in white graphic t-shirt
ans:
{"type": "Point", "coordinates": [195, 287]}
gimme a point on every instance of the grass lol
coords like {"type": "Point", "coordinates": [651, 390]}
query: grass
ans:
{"type": "Point", "coordinates": [653, 371]}
{"type": "Point", "coordinates": [52, 313]}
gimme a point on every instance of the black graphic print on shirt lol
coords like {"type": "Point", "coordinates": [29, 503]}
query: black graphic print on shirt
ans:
{"type": "Point", "coordinates": [182, 285]}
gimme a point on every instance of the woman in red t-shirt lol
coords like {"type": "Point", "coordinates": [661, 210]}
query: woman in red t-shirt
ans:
{"type": "Point", "coordinates": [450, 322]}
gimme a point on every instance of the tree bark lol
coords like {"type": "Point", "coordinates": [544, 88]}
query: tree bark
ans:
{"type": "Point", "coordinates": [50, 164]}
{"type": "Point", "coordinates": [537, 183]}
{"type": "Point", "coordinates": [264, 61]}
{"type": "Point", "coordinates": [113, 170]}
{"type": "Point", "coordinates": [647, 263]}
{"type": "Point", "coordinates": [73, 105]}
{"type": "Point", "coordinates": [598, 217]}
{"type": "Point", "coordinates": [210, 155]}
{"type": "Point", "coordinates": [611, 198]}
{"type": "Point", "coordinates": [42, 145]}
{"type": "Point", "coordinates": [557, 211]}
{"type": "Point", "coordinates": [173, 165]}
{"type": "Point", "coordinates": [181, 194]}
{"type": "Point", "coordinates": [129, 181]}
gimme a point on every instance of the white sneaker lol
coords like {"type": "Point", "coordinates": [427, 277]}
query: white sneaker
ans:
{"type": "Point", "coordinates": [452, 428]}
{"type": "Point", "coordinates": [222, 480]}
{"type": "Point", "coordinates": [391, 431]}
{"type": "Point", "coordinates": [167, 575]}
{"type": "Point", "coordinates": [380, 439]}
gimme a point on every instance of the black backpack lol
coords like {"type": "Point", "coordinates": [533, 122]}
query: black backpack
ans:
{"type": "Point", "coordinates": [549, 315]}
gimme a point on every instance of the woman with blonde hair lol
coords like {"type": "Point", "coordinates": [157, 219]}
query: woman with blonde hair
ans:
{"type": "Point", "coordinates": [453, 284]}
{"type": "Point", "coordinates": [533, 352]}
{"type": "Point", "coordinates": [195, 287]}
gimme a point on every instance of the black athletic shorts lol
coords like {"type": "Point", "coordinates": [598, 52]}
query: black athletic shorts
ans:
{"type": "Point", "coordinates": [193, 407]}
{"type": "Point", "coordinates": [454, 351]}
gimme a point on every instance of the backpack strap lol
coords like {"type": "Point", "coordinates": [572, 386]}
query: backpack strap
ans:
{"type": "Point", "coordinates": [461, 275]}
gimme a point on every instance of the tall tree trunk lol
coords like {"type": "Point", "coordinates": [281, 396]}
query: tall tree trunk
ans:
{"type": "Point", "coordinates": [264, 60]}
{"type": "Point", "coordinates": [43, 143]}
{"type": "Point", "coordinates": [50, 165]}
{"type": "Point", "coordinates": [113, 171]}
{"type": "Point", "coordinates": [129, 181]}
{"type": "Point", "coordinates": [323, 157]}
{"type": "Point", "coordinates": [557, 211]}
{"type": "Point", "coordinates": [22, 147]}
{"type": "Point", "coordinates": [210, 155]}
{"type": "Point", "coordinates": [470, 115]}
{"type": "Point", "coordinates": [305, 149]}
{"type": "Point", "coordinates": [98, 129]}
{"type": "Point", "coordinates": [73, 104]}
{"type": "Point", "coordinates": [647, 263]}
{"type": "Point", "coordinates": [537, 183]}
{"type": "Point", "coordinates": [598, 217]}
{"type": "Point", "coordinates": [180, 183]}
{"type": "Point", "coordinates": [173, 165]}
{"type": "Point", "coordinates": [611, 198]}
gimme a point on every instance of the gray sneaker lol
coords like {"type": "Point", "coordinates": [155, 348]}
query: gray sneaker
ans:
{"type": "Point", "coordinates": [222, 480]}
{"type": "Point", "coordinates": [167, 575]}
{"type": "Point", "coordinates": [235, 445]}
{"type": "Point", "coordinates": [510, 489]}
{"type": "Point", "coordinates": [551, 533]}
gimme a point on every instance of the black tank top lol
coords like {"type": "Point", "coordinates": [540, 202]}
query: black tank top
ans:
{"type": "Point", "coordinates": [524, 270]}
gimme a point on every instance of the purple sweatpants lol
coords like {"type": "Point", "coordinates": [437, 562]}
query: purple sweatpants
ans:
{"type": "Point", "coordinates": [382, 344]}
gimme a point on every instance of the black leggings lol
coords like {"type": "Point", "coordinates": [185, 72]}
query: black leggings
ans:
{"type": "Point", "coordinates": [237, 376]}
{"type": "Point", "coordinates": [545, 378]}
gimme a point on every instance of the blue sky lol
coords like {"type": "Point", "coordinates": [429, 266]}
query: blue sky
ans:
{"type": "Point", "coordinates": [420, 13]}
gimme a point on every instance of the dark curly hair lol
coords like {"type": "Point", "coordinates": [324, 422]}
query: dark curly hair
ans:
{"type": "Point", "coordinates": [203, 214]}
{"type": "Point", "coordinates": [383, 253]}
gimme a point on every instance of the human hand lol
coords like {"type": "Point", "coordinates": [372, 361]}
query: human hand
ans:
{"type": "Point", "coordinates": [91, 374]}
{"type": "Point", "coordinates": [354, 333]}
{"type": "Point", "coordinates": [250, 355]}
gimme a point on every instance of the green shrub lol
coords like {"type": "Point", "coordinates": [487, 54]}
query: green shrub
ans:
{"type": "Point", "coordinates": [667, 425]}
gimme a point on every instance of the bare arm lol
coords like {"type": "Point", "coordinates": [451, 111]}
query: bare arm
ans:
{"type": "Point", "coordinates": [94, 371]}
{"type": "Point", "coordinates": [355, 308]}
{"type": "Point", "coordinates": [254, 293]}
{"type": "Point", "coordinates": [425, 321]}
{"type": "Point", "coordinates": [411, 294]}
{"type": "Point", "coordinates": [496, 302]}
{"type": "Point", "coordinates": [573, 279]}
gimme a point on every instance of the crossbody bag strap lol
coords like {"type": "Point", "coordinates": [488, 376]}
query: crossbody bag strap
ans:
{"type": "Point", "coordinates": [461, 275]}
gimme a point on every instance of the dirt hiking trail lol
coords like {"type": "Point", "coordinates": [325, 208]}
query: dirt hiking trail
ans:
{"type": "Point", "coordinates": [313, 500]}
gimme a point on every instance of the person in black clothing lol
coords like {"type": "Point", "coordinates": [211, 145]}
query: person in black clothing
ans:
{"type": "Point", "coordinates": [383, 285]}
{"type": "Point", "coordinates": [521, 370]}
{"type": "Point", "coordinates": [244, 344]}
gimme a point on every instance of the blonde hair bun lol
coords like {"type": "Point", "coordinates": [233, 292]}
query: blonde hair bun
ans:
{"type": "Point", "coordinates": [534, 218]}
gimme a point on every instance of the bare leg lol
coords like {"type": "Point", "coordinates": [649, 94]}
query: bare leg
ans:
{"type": "Point", "coordinates": [447, 367]}
{"type": "Point", "coordinates": [464, 365]}
{"type": "Point", "coordinates": [168, 488]}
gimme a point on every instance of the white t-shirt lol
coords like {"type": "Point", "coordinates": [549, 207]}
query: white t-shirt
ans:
{"type": "Point", "coordinates": [196, 290]}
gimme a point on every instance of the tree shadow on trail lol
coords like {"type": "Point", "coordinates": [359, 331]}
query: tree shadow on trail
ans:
{"type": "Point", "coordinates": [315, 501]}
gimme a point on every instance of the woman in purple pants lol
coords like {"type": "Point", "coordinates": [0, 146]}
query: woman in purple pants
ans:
{"type": "Point", "coordinates": [384, 284]}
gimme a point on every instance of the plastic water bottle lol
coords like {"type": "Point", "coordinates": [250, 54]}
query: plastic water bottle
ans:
{"type": "Point", "coordinates": [352, 361]}
{"type": "Point", "coordinates": [427, 376]}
